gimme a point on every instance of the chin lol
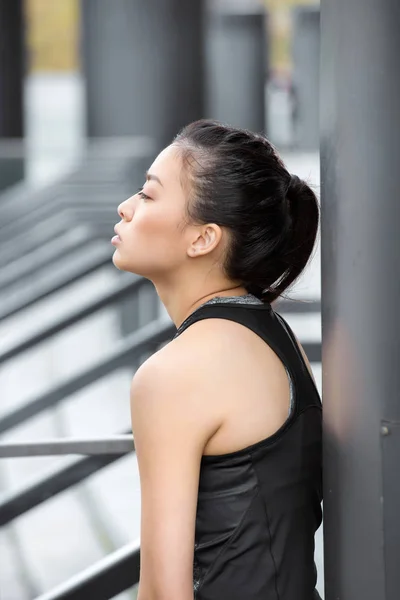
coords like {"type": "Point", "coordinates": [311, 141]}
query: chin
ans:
{"type": "Point", "coordinates": [124, 265]}
{"type": "Point", "coordinates": [119, 262]}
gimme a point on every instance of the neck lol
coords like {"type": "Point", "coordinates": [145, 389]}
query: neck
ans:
{"type": "Point", "coordinates": [181, 300]}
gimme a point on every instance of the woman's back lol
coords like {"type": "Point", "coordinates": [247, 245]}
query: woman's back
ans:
{"type": "Point", "coordinates": [259, 502]}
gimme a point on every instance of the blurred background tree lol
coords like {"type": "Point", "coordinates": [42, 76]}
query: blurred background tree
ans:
{"type": "Point", "coordinates": [52, 34]}
{"type": "Point", "coordinates": [280, 33]}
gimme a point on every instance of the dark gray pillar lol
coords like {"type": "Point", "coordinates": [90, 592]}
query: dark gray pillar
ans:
{"type": "Point", "coordinates": [11, 89]}
{"type": "Point", "coordinates": [143, 66]}
{"type": "Point", "coordinates": [236, 62]}
{"type": "Point", "coordinates": [360, 130]}
{"type": "Point", "coordinates": [305, 55]}
{"type": "Point", "coordinates": [11, 69]}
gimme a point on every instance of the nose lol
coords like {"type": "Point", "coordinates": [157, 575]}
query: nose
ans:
{"type": "Point", "coordinates": [125, 209]}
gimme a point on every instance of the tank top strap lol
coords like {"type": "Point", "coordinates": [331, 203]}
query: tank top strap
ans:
{"type": "Point", "coordinates": [221, 310]}
{"type": "Point", "coordinates": [274, 330]}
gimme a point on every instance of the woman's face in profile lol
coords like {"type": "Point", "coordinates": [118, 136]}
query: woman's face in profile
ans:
{"type": "Point", "coordinates": [151, 237]}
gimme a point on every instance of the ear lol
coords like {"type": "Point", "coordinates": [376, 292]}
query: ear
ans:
{"type": "Point", "coordinates": [207, 239]}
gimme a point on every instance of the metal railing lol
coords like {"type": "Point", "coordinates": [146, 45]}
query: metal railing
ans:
{"type": "Point", "coordinates": [95, 257]}
{"type": "Point", "coordinates": [119, 291]}
{"type": "Point", "coordinates": [146, 339]}
{"type": "Point", "coordinates": [117, 444]}
{"type": "Point", "coordinates": [116, 572]}
{"type": "Point", "coordinates": [110, 576]}
{"type": "Point", "coordinates": [85, 211]}
{"type": "Point", "coordinates": [104, 162]}
{"type": "Point", "coordinates": [17, 502]}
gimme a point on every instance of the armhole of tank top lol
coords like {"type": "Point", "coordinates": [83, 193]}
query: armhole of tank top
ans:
{"type": "Point", "coordinates": [291, 335]}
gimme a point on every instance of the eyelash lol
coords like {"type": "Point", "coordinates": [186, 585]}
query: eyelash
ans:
{"type": "Point", "coordinates": [142, 194]}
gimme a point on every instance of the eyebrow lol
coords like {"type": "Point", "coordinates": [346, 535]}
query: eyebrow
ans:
{"type": "Point", "coordinates": [150, 177]}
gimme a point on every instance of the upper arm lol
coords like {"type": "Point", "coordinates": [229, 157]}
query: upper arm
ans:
{"type": "Point", "coordinates": [171, 427]}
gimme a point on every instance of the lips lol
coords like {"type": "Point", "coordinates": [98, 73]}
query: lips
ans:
{"type": "Point", "coordinates": [116, 239]}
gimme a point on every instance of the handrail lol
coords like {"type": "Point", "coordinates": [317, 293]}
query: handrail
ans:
{"type": "Point", "coordinates": [117, 444]}
{"type": "Point", "coordinates": [19, 501]}
{"type": "Point", "coordinates": [41, 235]}
{"type": "Point", "coordinates": [94, 195]}
{"type": "Point", "coordinates": [38, 236]}
{"type": "Point", "coordinates": [146, 338]}
{"type": "Point", "coordinates": [297, 306]}
{"type": "Point", "coordinates": [53, 250]}
{"type": "Point", "coordinates": [105, 579]}
{"type": "Point", "coordinates": [102, 301]}
{"type": "Point", "coordinates": [94, 259]}
{"type": "Point", "coordinates": [87, 208]}
{"type": "Point", "coordinates": [98, 152]}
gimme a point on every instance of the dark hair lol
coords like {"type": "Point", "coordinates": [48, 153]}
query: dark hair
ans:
{"type": "Point", "coordinates": [238, 181]}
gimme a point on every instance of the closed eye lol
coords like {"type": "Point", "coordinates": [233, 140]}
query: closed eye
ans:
{"type": "Point", "coordinates": [141, 193]}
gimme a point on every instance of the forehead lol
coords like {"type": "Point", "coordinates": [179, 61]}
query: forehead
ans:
{"type": "Point", "coordinates": [167, 166]}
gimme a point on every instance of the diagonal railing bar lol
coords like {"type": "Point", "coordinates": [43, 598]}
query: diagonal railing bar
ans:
{"type": "Point", "coordinates": [116, 444]}
{"type": "Point", "coordinates": [297, 306]}
{"type": "Point", "coordinates": [17, 502]}
{"type": "Point", "coordinates": [105, 299]}
{"type": "Point", "coordinates": [39, 211]}
{"type": "Point", "coordinates": [104, 161]}
{"type": "Point", "coordinates": [53, 250]}
{"type": "Point", "coordinates": [95, 196]}
{"type": "Point", "coordinates": [142, 340]}
{"type": "Point", "coordinates": [21, 197]}
{"type": "Point", "coordinates": [38, 236]}
{"type": "Point", "coordinates": [100, 228]}
{"type": "Point", "coordinates": [95, 258]}
{"type": "Point", "coordinates": [105, 579]}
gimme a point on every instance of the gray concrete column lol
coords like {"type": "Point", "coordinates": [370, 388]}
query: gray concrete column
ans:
{"type": "Point", "coordinates": [305, 56]}
{"type": "Point", "coordinates": [12, 71]}
{"type": "Point", "coordinates": [236, 62]}
{"type": "Point", "coordinates": [12, 66]}
{"type": "Point", "coordinates": [360, 133]}
{"type": "Point", "coordinates": [142, 61]}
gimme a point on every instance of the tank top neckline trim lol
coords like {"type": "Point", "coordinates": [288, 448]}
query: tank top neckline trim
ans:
{"type": "Point", "coordinates": [240, 301]}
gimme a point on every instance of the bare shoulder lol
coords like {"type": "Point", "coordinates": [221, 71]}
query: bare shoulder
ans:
{"type": "Point", "coordinates": [179, 364]}
{"type": "Point", "coordinates": [184, 359]}
{"type": "Point", "coordinates": [177, 384]}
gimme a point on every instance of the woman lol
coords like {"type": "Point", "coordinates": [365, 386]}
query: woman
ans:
{"type": "Point", "coordinates": [226, 418]}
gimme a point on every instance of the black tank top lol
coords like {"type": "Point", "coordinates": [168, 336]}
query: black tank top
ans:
{"type": "Point", "coordinates": [259, 507]}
